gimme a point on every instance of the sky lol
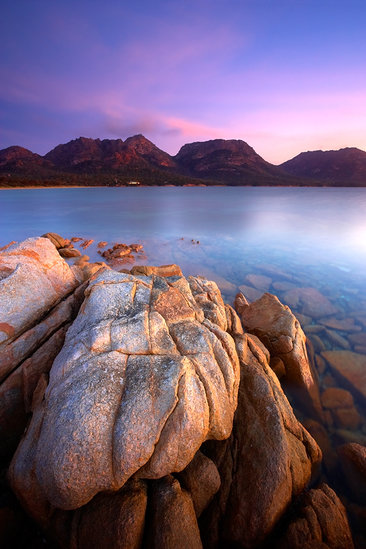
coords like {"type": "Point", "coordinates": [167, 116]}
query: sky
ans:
{"type": "Point", "coordinates": [285, 76]}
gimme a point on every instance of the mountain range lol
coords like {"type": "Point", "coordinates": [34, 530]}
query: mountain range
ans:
{"type": "Point", "coordinates": [86, 161]}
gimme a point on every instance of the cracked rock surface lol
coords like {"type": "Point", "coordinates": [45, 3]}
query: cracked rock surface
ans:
{"type": "Point", "coordinates": [147, 373]}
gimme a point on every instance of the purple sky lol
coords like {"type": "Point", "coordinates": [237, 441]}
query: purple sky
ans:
{"type": "Point", "coordinates": [283, 75]}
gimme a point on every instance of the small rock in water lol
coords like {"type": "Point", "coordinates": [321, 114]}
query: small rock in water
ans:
{"type": "Point", "coordinates": [56, 239]}
{"type": "Point", "coordinates": [86, 243]}
{"type": "Point", "coordinates": [118, 251]}
{"type": "Point", "coordinates": [102, 244]}
{"type": "Point", "coordinates": [69, 252]}
{"type": "Point", "coordinates": [136, 248]}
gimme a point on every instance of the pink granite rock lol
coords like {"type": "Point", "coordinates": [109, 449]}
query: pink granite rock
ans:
{"type": "Point", "coordinates": [147, 373]}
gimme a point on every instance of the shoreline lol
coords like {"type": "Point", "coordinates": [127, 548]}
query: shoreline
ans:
{"type": "Point", "coordinates": [29, 187]}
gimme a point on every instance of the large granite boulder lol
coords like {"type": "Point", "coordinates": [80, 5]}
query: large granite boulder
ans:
{"type": "Point", "coordinates": [279, 330]}
{"type": "Point", "coordinates": [268, 459]}
{"type": "Point", "coordinates": [147, 373]}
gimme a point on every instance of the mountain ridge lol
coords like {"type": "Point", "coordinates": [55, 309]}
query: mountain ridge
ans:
{"type": "Point", "coordinates": [88, 161]}
{"type": "Point", "coordinates": [348, 163]}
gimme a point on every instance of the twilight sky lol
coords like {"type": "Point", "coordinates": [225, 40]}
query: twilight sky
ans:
{"type": "Point", "coordinates": [283, 75]}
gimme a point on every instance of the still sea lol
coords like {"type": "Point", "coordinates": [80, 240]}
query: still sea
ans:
{"type": "Point", "coordinates": [305, 245]}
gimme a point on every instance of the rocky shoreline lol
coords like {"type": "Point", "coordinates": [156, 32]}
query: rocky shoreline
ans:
{"type": "Point", "coordinates": [140, 410]}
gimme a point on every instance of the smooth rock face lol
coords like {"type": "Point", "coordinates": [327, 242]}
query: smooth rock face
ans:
{"type": "Point", "coordinates": [281, 333]}
{"type": "Point", "coordinates": [268, 459]}
{"type": "Point", "coordinates": [33, 277]}
{"type": "Point", "coordinates": [321, 523]}
{"type": "Point", "coordinates": [147, 373]}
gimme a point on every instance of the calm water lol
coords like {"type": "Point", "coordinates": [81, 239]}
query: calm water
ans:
{"type": "Point", "coordinates": [295, 237]}
{"type": "Point", "coordinates": [318, 235]}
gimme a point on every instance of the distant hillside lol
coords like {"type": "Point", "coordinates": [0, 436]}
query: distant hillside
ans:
{"type": "Point", "coordinates": [19, 160]}
{"type": "Point", "coordinates": [346, 166]}
{"type": "Point", "coordinates": [228, 161]}
{"type": "Point", "coordinates": [86, 161]}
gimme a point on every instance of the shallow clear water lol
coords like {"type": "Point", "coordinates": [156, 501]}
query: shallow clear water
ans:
{"type": "Point", "coordinates": [295, 237]}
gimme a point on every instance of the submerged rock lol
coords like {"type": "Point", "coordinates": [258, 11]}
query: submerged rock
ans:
{"type": "Point", "coordinates": [310, 302]}
{"type": "Point", "coordinates": [350, 367]}
{"type": "Point", "coordinates": [340, 404]}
